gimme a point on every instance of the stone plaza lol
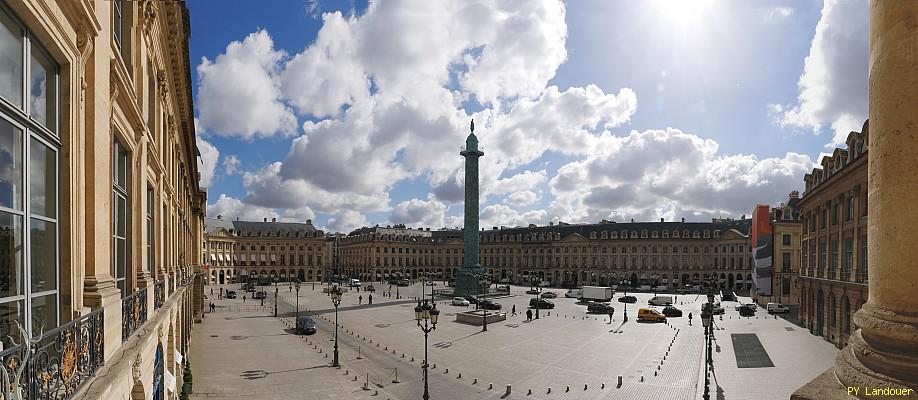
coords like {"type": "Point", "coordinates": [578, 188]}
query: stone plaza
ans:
{"type": "Point", "coordinates": [565, 354]}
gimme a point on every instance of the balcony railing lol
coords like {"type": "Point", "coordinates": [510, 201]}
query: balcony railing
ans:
{"type": "Point", "coordinates": [133, 313]}
{"type": "Point", "coordinates": [861, 277]}
{"type": "Point", "coordinates": [171, 282]}
{"type": "Point", "coordinates": [57, 364]}
{"type": "Point", "coordinates": [159, 294]}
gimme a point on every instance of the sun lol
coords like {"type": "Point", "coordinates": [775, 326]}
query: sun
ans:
{"type": "Point", "coordinates": [683, 14]}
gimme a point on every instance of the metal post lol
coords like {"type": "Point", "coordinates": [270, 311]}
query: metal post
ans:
{"type": "Point", "coordinates": [426, 394]}
{"type": "Point", "coordinates": [275, 302]}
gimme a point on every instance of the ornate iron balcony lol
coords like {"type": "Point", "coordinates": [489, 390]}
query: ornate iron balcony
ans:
{"type": "Point", "coordinates": [55, 365]}
{"type": "Point", "coordinates": [159, 294]}
{"type": "Point", "coordinates": [133, 313]}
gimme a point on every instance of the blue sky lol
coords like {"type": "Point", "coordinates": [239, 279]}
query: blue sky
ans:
{"type": "Point", "coordinates": [352, 114]}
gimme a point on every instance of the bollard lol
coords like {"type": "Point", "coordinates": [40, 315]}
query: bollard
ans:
{"type": "Point", "coordinates": [447, 371]}
{"type": "Point", "coordinates": [475, 381]}
{"type": "Point", "coordinates": [326, 355]}
{"type": "Point", "coordinates": [412, 359]}
{"type": "Point", "coordinates": [346, 372]}
{"type": "Point", "coordinates": [508, 391]}
{"type": "Point", "coordinates": [490, 386]}
{"type": "Point", "coordinates": [460, 375]}
{"type": "Point", "coordinates": [355, 378]}
{"type": "Point", "coordinates": [529, 393]}
{"type": "Point", "coordinates": [619, 382]}
{"type": "Point", "coordinates": [403, 355]}
{"type": "Point", "coordinates": [654, 373]}
{"type": "Point", "coordinates": [584, 386]}
{"type": "Point", "coordinates": [387, 348]}
{"type": "Point", "coordinates": [393, 351]}
{"type": "Point", "coordinates": [603, 386]}
{"type": "Point", "coordinates": [435, 366]}
{"type": "Point", "coordinates": [642, 378]}
{"type": "Point", "coordinates": [567, 388]}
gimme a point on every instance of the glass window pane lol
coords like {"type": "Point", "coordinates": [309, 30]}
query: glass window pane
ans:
{"type": "Point", "coordinates": [121, 260]}
{"type": "Point", "coordinates": [10, 165]}
{"type": "Point", "coordinates": [43, 90]}
{"type": "Point", "coordinates": [10, 313]}
{"type": "Point", "coordinates": [11, 273]}
{"type": "Point", "coordinates": [44, 313]}
{"type": "Point", "coordinates": [42, 180]}
{"type": "Point", "coordinates": [121, 227]}
{"type": "Point", "coordinates": [10, 60]}
{"type": "Point", "coordinates": [44, 255]}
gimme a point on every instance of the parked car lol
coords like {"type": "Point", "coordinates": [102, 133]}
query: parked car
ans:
{"type": "Point", "coordinates": [489, 304]}
{"type": "Point", "coordinates": [504, 288]}
{"type": "Point", "coordinates": [305, 326]}
{"type": "Point", "coordinates": [545, 284]}
{"type": "Point", "coordinates": [471, 299]}
{"type": "Point", "coordinates": [230, 294]}
{"type": "Point", "coordinates": [627, 299]}
{"type": "Point", "coordinates": [404, 282]}
{"type": "Point", "coordinates": [431, 283]}
{"type": "Point", "coordinates": [260, 295]}
{"type": "Point", "coordinates": [574, 293]}
{"type": "Point", "coordinates": [533, 291]}
{"type": "Point", "coordinates": [600, 308]}
{"type": "Point", "coordinates": [718, 309]}
{"type": "Point", "coordinates": [661, 301]}
{"type": "Point", "coordinates": [540, 303]}
{"type": "Point", "coordinates": [459, 301]}
{"type": "Point", "coordinates": [549, 295]}
{"type": "Point", "coordinates": [671, 311]}
{"type": "Point", "coordinates": [774, 308]}
{"type": "Point", "coordinates": [650, 314]}
{"type": "Point", "coordinates": [747, 311]}
{"type": "Point", "coordinates": [392, 281]}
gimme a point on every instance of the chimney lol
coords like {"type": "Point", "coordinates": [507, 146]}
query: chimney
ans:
{"type": "Point", "coordinates": [309, 221]}
{"type": "Point", "coordinates": [273, 219]}
{"type": "Point", "coordinates": [683, 220]}
{"type": "Point", "coordinates": [743, 217]}
{"type": "Point", "coordinates": [794, 195]}
{"type": "Point", "coordinates": [550, 223]}
{"type": "Point", "coordinates": [428, 229]}
{"type": "Point", "coordinates": [266, 219]}
{"type": "Point", "coordinates": [661, 219]}
{"type": "Point", "coordinates": [220, 217]}
{"type": "Point", "coordinates": [632, 220]}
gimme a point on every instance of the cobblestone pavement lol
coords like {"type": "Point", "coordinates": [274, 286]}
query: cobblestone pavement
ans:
{"type": "Point", "coordinates": [566, 349]}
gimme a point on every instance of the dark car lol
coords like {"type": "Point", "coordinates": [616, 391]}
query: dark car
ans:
{"type": "Point", "coordinates": [472, 299]}
{"type": "Point", "coordinates": [532, 291]}
{"type": "Point", "coordinates": [305, 326]}
{"type": "Point", "coordinates": [627, 299]}
{"type": "Point", "coordinates": [230, 294]}
{"type": "Point", "coordinates": [369, 288]}
{"type": "Point", "coordinates": [260, 295]}
{"type": "Point", "coordinates": [404, 282]}
{"type": "Point", "coordinates": [489, 304]}
{"type": "Point", "coordinates": [671, 311]}
{"type": "Point", "coordinates": [549, 295]}
{"type": "Point", "coordinates": [747, 311]}
{"type": "Point", "coordinates": [392, 281]}
{"type": "Point", "coordinates": [600, 308]}
{"type": "Point", "coordinates": [540, 303]}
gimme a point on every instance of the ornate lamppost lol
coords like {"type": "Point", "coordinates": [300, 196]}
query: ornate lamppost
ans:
{"type": "Point", "coordinates": [538, 294]}
{"type": "Point", "coordinates": [336, 300]}
{"type": "Point", "coordinates": [707, 316]}
{"type": "Point", "coordinates": [428, 314]}
{"type": "Point", "coordinates": [297, 299]}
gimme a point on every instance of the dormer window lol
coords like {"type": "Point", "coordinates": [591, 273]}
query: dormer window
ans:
{"type": "Point", "coordinates": [676, 234]}
{"type": "Point", "coordinates": [605, 234]}
{"type": "Point", "coordinates": [654, 234]}
{"type": "Point", "coordinates": [593, 235]}
{"type": "Point", "coordinates": [707, 233]}
{"type": "Point", "coordinates": [665, 234]}
{"type": "Point", "coordinates": [644, 233]}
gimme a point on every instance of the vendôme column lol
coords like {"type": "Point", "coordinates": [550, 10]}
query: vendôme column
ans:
{"type": "Point", "coordinates": [466, 282]}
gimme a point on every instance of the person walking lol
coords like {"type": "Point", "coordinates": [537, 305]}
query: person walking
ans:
{"type": "Point", "coordinates": [528, 315]}
{"type": "Point", "coordinates": [211, 291]}
{"type": "Point", "coordinates": [611, 312]}
{"type": "Point", "coordinates": [360, 299]}
{"type": "Point", "coordinates": [370, 299]}
{"type": "Point", "coordinates": [690, 319]}
{"type": "Point", "coordinates": [513, 311]}
{"type": "Point", "coordinates": [243, 298]}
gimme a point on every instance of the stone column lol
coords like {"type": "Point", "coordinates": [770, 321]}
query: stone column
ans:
{"type": "Point", "coordinates": [465, 282]}
{"type": "Point", "coordinates": [883, 352]}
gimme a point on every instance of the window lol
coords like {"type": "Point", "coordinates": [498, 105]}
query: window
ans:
{"type": "Point", "coordinates": [786, 239]}
{"type": "Point", "coordinates": [151, 231]}
{"type": "Point", "coordinates": [785, 261]}
{"type": "Point", "coordinates": [836, 210]}
{"type": "Point", "coordinates": [849, 254]}
{"type": "Point", "coordinates": [785, 286]}
{"type": "Point", "coordinates": [118, 23]}
{"type": "Point", "coordinates": [120, 216]}
{"type": "Point", "coordinates": [862, 262]}
{"type": "Point", "coordinates": [28, 184]}
{"type": "Point", "coordinates": [833, 263]}
{"type": "Point", "coordinates": [151, 99]}
{"type": "Point", "coordinates": [849, 213]}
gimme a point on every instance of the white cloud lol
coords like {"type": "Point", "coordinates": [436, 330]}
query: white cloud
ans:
{"type": "Point", "coordinates": [778, 13]}
{"type": "Point", "coordinates": [502, 215]}
{"type": "Point", "coordinates": [833, 86]}
{"type": "Point", "coordinates": [346, 221]}
{"type": "Point", "coordinates": [421, 213]}
{"type": "Point", "coordinates": [238, 93]}
{"type": "Point", "coordinates": [267, 188]}
{"type": "Point", "coordinates": [231, 208]}
{"type": "Point", "coordinates": [231, 164]}
{"type": "Point", "coordinates": [522, 198]}
{"type": "Point", "coordinates": [670, 174]}
{"type": "Point", "coordinates": [208, 161]}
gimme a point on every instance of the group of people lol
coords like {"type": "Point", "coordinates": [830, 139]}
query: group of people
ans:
{"type": "Point", "coordinates": [369, 299]}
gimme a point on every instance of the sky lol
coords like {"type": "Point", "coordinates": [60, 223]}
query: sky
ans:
{"type": "Point", "coordinates": [352, 113]}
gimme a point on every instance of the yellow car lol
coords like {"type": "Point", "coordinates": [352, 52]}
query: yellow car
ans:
{"type": "Point", "coordinates": [650, 314]}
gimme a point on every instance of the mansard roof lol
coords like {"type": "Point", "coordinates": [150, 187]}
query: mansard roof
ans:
{"type": "Point", "coordinates": [266, 229]}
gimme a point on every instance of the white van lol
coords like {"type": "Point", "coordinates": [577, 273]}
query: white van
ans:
{"type": "Point", "coordinates": [353, 282]}
{"type": "Point", "coordinates": [661, 301]}
{"type": "Point", "coordinates": [574, 293]}
{"type": "Point", "coordinates": [774, 308]}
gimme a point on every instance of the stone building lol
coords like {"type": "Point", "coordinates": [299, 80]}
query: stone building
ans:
{"type": "Point", "coordinates": [665, 254]}
{"type": "Point", "coordinates": [787, 245]}
{"type": "Point", "coordinates": [833, 272]}
{"type": "Point", "coordinates": [264, 250]}
{"type": "Point", "coordinates": [100, 206]}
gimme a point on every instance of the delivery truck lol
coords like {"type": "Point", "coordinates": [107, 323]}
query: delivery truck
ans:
{"type": "Point", "coordinates": [597, 293]}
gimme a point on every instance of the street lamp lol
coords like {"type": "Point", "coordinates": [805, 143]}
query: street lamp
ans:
{"type": "Point", "coordinates": [297, 299]}
{"type": "Point", "coordinates": [275, 302]}
{"type": "Point", "coordinates": [625, 311]}
{"type": "Point", "coordinates": [538, 294]}
{"type": "Point", "coordinates": [427, 313]}
{"type": "Point", "coordinates": [707, 316]}
{"type": "Point", "coordinates": [336, 300]}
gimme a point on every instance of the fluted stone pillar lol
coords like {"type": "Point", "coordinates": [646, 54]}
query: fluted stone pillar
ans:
{"type": "Point", "coordinates": [883, 352]}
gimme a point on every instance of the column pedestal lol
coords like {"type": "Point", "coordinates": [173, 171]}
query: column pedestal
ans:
{"type": "Point", "coordinates": [101, 292]}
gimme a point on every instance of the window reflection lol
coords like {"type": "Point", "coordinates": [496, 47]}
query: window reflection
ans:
{"type": "Point", "coordinates": [10, 60]}
{"type": "Point", "coordinates": [11, 276]}
{"type": "Point", "coordinates": [10, 165]}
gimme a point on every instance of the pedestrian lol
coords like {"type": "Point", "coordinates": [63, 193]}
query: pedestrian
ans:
{"type": "Point", "coordinates": [370, 299]}
{"type": "Point", "coordinates": [513, 311]}
{"type": "Point", "coordinates": [211, 291]}
{"type": "Point", "coordinates": [243, 298]}
{"type": "Point", "coordinates": [360, 299]}
{"type": "Point", "coordinates": [690, 319]}
{"type": "Point", "coordinates": [290, 289]}
{"type": "Point", "coordinates": [528, 315]}
{"type": "Point", "coordinates": [611, 311]}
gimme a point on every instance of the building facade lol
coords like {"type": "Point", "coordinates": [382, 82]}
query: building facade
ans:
{"type": "Point", "coordinates": [100, 206]}
{"type": "Point", "coordinates": [238, 251]}
{"type": "Point", "coordinates": [665, 254]}
{"type": "Point", "coordinates": [787, 242]}
{"type": "Point", "coordinates": [833, 270]}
